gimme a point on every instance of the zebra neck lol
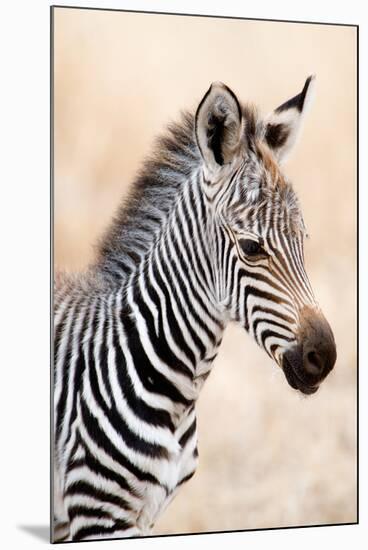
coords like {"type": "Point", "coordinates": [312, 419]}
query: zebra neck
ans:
{"type": "Point", "coordinates": [171, 304]}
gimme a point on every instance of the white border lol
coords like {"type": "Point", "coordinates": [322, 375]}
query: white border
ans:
{"type": "Point", "coordinates": [24, 218]}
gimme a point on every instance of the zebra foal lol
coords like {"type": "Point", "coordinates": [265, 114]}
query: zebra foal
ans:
{"type": "Point", "coordinates": [212, 232]}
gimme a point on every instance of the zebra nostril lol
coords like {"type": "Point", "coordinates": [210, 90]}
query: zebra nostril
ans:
{"type": "Point", "coordinates": [314, 363]}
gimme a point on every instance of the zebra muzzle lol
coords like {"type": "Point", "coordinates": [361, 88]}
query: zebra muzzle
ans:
{"type": "Point", "coordinates": [308, 362]}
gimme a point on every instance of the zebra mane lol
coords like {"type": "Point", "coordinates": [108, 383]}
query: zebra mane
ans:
{"type": "Point", "coordinates": [142, 213]}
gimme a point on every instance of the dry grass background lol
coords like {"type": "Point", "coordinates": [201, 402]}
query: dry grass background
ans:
{"type": "Point", "coordinates": [268, 456]}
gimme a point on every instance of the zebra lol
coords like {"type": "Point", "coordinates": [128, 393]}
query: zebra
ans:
{"type": "Point", "coordinates": [211, 233]}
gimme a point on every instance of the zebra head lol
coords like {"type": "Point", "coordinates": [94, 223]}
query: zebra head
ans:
{"type": "Point", "coordinates": [258, 232]}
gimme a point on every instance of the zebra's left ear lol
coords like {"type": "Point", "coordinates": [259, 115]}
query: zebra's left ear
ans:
{"type": "Point", "coordinates": [217, 125]}
{"type": "Point", "coordinates": [284, 124]}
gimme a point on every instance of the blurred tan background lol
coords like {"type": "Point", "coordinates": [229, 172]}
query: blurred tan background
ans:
{"type": "Point", "coordinates": [268, 456]}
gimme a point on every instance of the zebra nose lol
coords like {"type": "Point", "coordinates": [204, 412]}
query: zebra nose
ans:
{"type": "Point", "coordinates": [314, 363]}
{"type": "Point", "coordinates": [319, 360]}
{"type": "Point", "coordinates": [319, 349]}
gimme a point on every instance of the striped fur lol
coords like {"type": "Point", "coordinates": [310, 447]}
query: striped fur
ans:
{"type": "Point", "coordinates": [137, 334]}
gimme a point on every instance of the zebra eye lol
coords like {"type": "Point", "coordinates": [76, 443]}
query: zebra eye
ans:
{"type": "Point", "coordinates": [251, 248]}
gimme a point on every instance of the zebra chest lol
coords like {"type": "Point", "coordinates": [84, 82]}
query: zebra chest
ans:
{"type": "Point", "coordinates": [174, 472]}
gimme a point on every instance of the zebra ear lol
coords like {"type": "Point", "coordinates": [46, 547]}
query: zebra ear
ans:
{"type": "Point", "coordinates": [217, 125]}
{"type": "Point", "coordinates": [284, 124]}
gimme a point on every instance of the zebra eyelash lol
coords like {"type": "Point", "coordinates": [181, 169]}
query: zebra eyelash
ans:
{"type": "Point", "coordinates": [252, 249]}
{"type": "Point", "coordinates": [243, 243]}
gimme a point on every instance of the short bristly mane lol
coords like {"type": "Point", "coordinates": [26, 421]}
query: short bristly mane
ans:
{"type": "Point", "coordinates": [151, 197]}
{"type": "Point", "coordinates": [141, 214]}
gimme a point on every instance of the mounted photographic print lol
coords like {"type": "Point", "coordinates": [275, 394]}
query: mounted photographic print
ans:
{"type": "Point", "coordinates": [204, 244]}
